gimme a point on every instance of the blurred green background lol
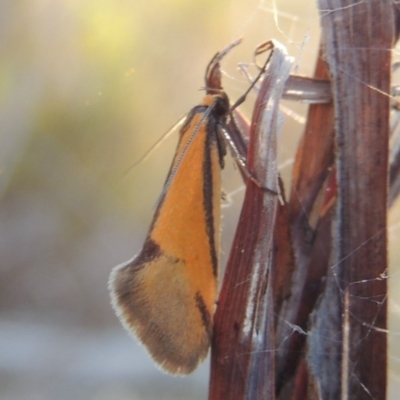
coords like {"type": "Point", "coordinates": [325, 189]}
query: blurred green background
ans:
{"type": "Point", "coordinates": [86, 87]}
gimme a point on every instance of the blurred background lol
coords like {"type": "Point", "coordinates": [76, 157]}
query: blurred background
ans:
{"type": "Point", "coordinates": [86, 87]}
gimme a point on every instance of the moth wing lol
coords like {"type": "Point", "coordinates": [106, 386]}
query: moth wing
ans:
{"type": "Point", "coordinates": [172, 323]}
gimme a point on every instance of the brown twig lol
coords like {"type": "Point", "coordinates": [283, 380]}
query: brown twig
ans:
{"type": "Point", "coordinates": [242, 357]}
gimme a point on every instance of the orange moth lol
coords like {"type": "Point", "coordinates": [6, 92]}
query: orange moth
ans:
{"type": "Point", "coordinates": [166, 294]}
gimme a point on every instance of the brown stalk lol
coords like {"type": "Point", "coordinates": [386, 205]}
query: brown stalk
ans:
{"type": "Point", "coordinates": [242, 352]}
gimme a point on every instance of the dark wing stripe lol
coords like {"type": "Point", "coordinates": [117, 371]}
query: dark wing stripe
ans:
{"type": "Point", "coordinates": [205, 315]}
{"type": "Point", "coordinates": [208, 192]}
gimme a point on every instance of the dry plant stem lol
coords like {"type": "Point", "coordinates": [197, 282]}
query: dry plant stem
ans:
{"type": "Point", "coordinates": [308, 90]}
{"type": "Point", "coordinates": [348, 344]}
{"type": "Point", "coordinates": [394, 172]}
{"type": "Point", "coordinates": [394, 177]}
{"type": "Point", "coordinates": [243, 341]}
{"type": "Point", "coordinates": [396, 13]}
{"type": "Point", "coordinates": [310, 172]}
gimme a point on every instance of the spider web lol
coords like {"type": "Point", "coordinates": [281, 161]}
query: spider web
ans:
{"type": "Point", "coordinates": [68, 213]}
{"type": "Point", "coordinates": [303, 47]}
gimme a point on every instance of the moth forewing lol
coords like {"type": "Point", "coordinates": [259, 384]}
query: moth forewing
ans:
{"type": "Point", "coordinates": [166, 294]}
